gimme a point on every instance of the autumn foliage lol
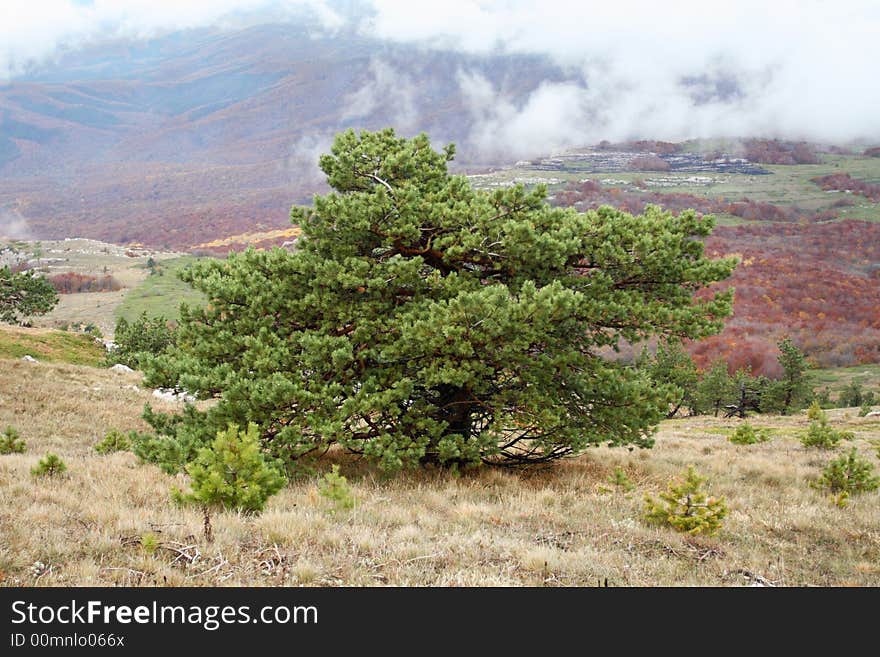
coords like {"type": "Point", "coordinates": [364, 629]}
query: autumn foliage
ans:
{"type": "Point", "coordinates": [816, 283]}
{"type": "Point", "coordinates": [71, 282]}
{"type": "Point", "coordinates": [774, 151]}
{"type": "Point", "coordinates": [845, 182]}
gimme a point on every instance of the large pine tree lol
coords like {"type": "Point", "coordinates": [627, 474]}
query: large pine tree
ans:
{"type": "Point", "coordinates": [421, 320]}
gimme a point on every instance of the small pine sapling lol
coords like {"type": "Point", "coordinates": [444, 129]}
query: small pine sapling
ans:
{"type": "Point", "coordinates": [335, 488]}
{"type": "Point", "coordinates": [149, 543]}
{"type": "Point", "coordinates": [233, 473]}
{"type": "Point", "coordinates": [685, 507]}
{"type": "Point", "coordinates": [815, 412]}
{"type": "Point", "coordinates": [11, 442]}
{"type": "Point", "coordinates": [848, 474]}
{"type": "Point", "coordinates": [617, 480]}
{"type": "Point", "coordinates": [746, 434]}
{"type": "Point", "coordinates": [823, 436]}
{"type": "Point", "coordinates": [49, 466]}
{"type": "Point", "coordinates": [115, 441]}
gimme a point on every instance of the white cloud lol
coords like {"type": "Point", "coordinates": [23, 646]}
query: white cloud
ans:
{"type": "Point", "coordinates": [805, 69]}
{"type": "Point", "coordinates": [32, 31]}
{"type": "Point", "coordinates": [387, 89]}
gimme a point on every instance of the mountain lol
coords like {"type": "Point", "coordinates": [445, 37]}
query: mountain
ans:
{"type": "Point", "coordinates": [205, 133]}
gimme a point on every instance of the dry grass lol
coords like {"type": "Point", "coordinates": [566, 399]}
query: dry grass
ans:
{"type": "Point", "coordinates": [550, 527]}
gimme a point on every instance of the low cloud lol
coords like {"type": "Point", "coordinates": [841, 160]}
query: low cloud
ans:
{"type": "Point", "coordinates": [14, 226]}
{"type": "Point", "coordinates": [33, 33]}
{"type": "Point", "coordinates": [670, 71]}
{"type": "Point", "coordinates": [303, 156]}
{"type": "Point", "coordinates": [790, 69]}
{"type": "Point", "coordinates": [388, 91]}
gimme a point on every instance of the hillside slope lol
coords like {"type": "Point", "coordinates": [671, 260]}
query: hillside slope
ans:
{"type": "Point", "coordinates": [549, 527]}
{"type": "Point", "coordinates": [204, 134]}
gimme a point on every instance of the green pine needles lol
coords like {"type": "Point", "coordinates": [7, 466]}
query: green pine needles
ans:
{"type": "Point", "coordinates": [423, 321]}
{"type": "Point", "coordinates": [11, 442]}
{"type": "Point", "coordinates": [685, 507]}
{"type": "Point", "coordinates": [848, 474]}
{"type": "Point", "coordinates": [232, 473]}
{"type": "Point", "coordinates": [815, 412]}
{"type": "Point", "coordinates": [824, 436]}
{"type": "Point", "coordinates": [746, 434]}
{"type": "Point", "coordinates": [50, 465]}
{"type": "Point", "coordinates": [334, 487]}
{"type": "Point", "coordinates": [114, 441]}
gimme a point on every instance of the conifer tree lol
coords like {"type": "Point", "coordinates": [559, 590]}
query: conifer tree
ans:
{"type": "Point", "coordinates": [792, 390]}
{"type": "Point", "coordinates": [716, 388]}
{"type": "Point", "coordinates": [23, 295]}
{"type": "Point", "coordinates": [673, 366]}
{"type": "Point", "coordinates": [421, 320]}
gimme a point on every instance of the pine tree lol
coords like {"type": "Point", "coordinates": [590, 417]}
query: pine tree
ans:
{"type": "Point", "coordinates": [685, 507]}
{"type": "Point", "coordinates": [421, 320]}
{"type": "Point", "coordinates": [24, 295]}
{"type": "Point", "coordinates": [137, 341]}
{"type": "Point", "coordinates": [746, 434]}
{"type": "Point", "coordinates": [11, 442]}
{"type": "Point", "coordinates": [716, 387]}
{"type": "Point", "coordinates": [672, 366]}
{"type": "Point", "coordinates": [849, 474]}
{"type": "Point", "coordinates": [748, 393]}
{"type": "Point", "coordinates": [232, 473]}
{"type": "Point", "coordinates": [792, 390]}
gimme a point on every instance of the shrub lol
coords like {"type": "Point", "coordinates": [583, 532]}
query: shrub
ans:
{"type": "Point", "coordinates": [822, 400]}
{"type": "Point", "coordinates": [815, 412]}
{"type": "Point", "coordinates": [848, 474]}
{"type": "Point", "coordinates": [864, 410]}
{"type": "Point", "coordinates": [617, 480]}
{"type": "Point", "coordinates": [49, 466]}
{"type": "Point", "coordinates": [854, 394]}
{"type": "Point", "coordinates": [11, 442]}
{"type": "Point", "coordinates": [115, 441]}
{"type": "Point", "coordinates": [93, 330]}
{"type": "Point", "coordinates": [335, 488]}
{"type": "Point", "coordinates": [149, 543]}
{"type": "Point", "coordinates": [72, 283]}
{"type": "Point", "coordinates": [137, 341]}
{"type": "Point", "coordinates": [822, 435]}
{"type": "Point", "coordinates": [746, 434]}
{"type": "Point", "coordinates": [685, 507]}
{"type": "Point", "coordinates": [233, 473]}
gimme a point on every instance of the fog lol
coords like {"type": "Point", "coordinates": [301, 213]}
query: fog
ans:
{"type": "Point", "coordinates": [636, 69]}
{"type": "Point", "coordinates": [665, 70]}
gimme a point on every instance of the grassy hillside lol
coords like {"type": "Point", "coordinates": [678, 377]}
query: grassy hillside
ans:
{"type": "Point", "coordinates": [50, 346]}
{"type": "Point", "coordinates": [550, 527]}
{"type": "Point", "coordinates": [837, 378]}
{"type": "Point", "coordinates": [126, 265]}
{"type": "Point", "coordinates": [161, 294]}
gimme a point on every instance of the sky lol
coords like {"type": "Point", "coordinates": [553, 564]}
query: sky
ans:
{"type": "Point", "coordinates": [793, 69]}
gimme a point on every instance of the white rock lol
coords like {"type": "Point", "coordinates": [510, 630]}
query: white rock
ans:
{"type": "Point", "coordinates": [29, 359]}
{"type": "Point", "coordinates": [873, 414]}
{"type": "Point", "coordinates": [168, 394]}
{"type": "Point", "coordinates": [122, 369]}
